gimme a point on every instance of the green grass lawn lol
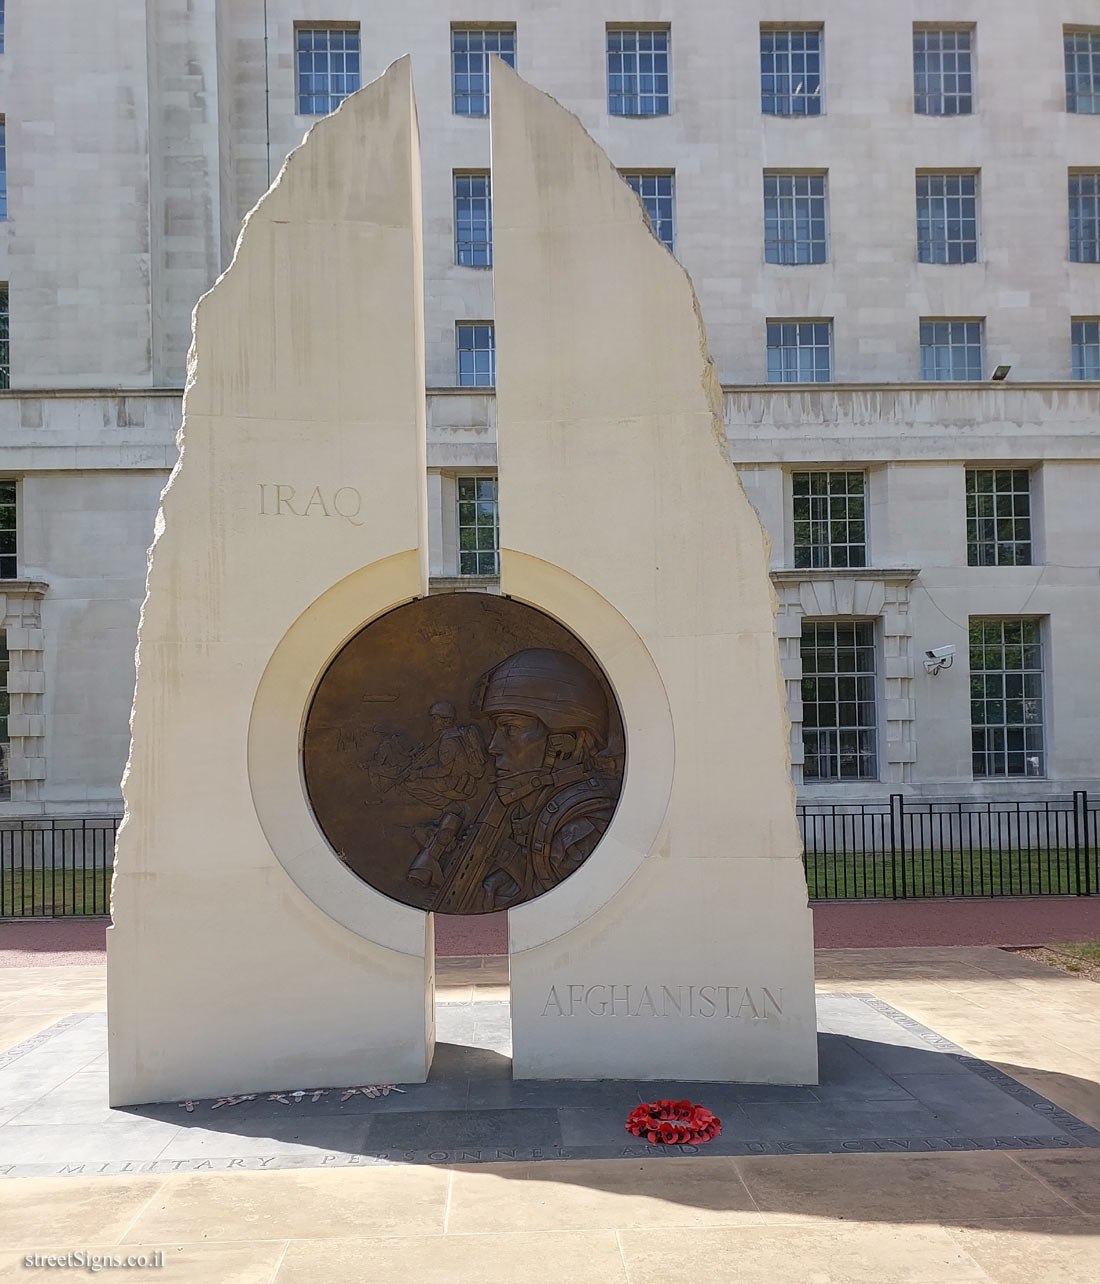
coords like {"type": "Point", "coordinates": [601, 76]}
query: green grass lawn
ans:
{"type": "Point", "coordinates": [50, 892]}
{"type": "Point", "coordinates": [853, 876]}
{"type": "Point", "coordinates": [46, 893]}
{"type": "Point", "coordinates": [1083, 953]}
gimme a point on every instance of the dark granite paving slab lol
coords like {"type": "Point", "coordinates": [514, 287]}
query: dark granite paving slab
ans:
{"type": "Point", "coordinates": [208, 1137]}
{"type": "Point", "coordinates": [451, 1128]}
{"type": "Point", "coordinates": [552, 1094]}
{"type": "Point", "coordinates": [888, 1085]}
{"type": "Point", "coordinates": [823, 1121]}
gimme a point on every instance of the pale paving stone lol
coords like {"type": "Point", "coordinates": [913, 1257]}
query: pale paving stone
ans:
{"type": "Point", "coordinates": [17, 1026]}
{"type": "Point", "coordinates": [242, 1263]}
{"type": "Point", "coordinates": [836, 1254]}
{"type": "Point", "coordinates": [944, 1188]}
{"type": "Point", "coordinates": [313, 1204]}
{"type": "Point", "coordinates": [1074, 1175]}
{"type": "Point", "coordinates": [599, 1194]}
{"type": "Point", "coordinates": [550, 1258]}
{"type": "Point", "coordinates": [1023, 1252]}
{"type": "Point", "coordinates": [70, 1210]}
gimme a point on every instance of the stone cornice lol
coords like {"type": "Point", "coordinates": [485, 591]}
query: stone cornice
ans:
{"type": "Point", "coordinates": [889, 575]}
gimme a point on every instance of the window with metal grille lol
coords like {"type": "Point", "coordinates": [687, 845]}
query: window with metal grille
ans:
{"type": "Point", "coordinates": [790, 71]}
{"type": "Point", "coordinates": [1084, 218]}
{"type": "Point", "coordinates": [478, 526]}
{"type": "Point", "coordinates": [471, 48]}
{"type": "Point", "coordinates": [5, 358]}
{"type": "Point", "coordinates": [1082, 71]}
{"type": "Point", "coordinates": [658, 193]}
{"type": "Point", "coordinates": [637, 71]}
{"type": "Point", "coordinates": [328, 67]}
{"type": "Point", "coordinates": [1006, 697]}
{"type": "Point", "coordinates": [998, 517]}
{"type": "Point", "coordinates": [1085, 345]}
{"type": "Point", "coordinates": [9, 569]}
{"type": "Point", "coordinates": [473, 220]}
{"type": "Point", "coordinates": [839, 731]}
{"type": "Point", "coordinates": [476, 353]}
{"type": "Point", "coordinates": [951, 350]}
{"type": "Point", "coordinates": [830, 518]}
{"type": "Point", "coordinates": [794, 218]}
{"type": "Point", "coordinates": [943, 82]}
{"type": "Point", "coordinates": [800, 351]}
{"type": "Point", "coordinates": [947, 218]}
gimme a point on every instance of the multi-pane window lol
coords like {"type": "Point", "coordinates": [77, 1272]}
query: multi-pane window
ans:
{"type": "Point", "coordinates": [658, 193]}
{"type": "Point", "coordinates": [790, 71]}
{"type": "Point", "coordinates": [794, 218]}
{"type": "Point", "coordinates": [1082, 71]}
{"type": "Point", "coordinates": [328, 67]}
{"type": "Point", "coordinates": [1006, 697]}
{"type": "Point", "coordinates": [637, 71]}
{"type": "Point", "coordinates": [830, 518]}
{"type": "Point", "coordinates": [799, 351]}
{"type": "Point", "coordinates": [475, 349]}
{"type": "Point", "coordinates": [1084, 217]}
{"type": "Point", "coordinates": [951, 350]}
{"type": "Point", "coordinates": [3, 168]}
{"type": "Point", "coordinates": [473, 220]}
{"type": "Point", "coordinates": [998, 517]}
{"type": "Point", "coordinates": [943, 82]}
{"type": "Point", "coordinates": [5, 359]}
{"type": "Point", "coordinates": [838, 701]}
{"type": "Point", "coordinates": [947, 218]}
{"type": "Point", "coordinates": [1, 26]}
{"type": "Point", "coordinates": [8, 552]}
{"type": "Point", "coordinates": [1085, 344]}
{"type": "Point", "coordinates": [471, 48]}
{"type": "Point", "coordinates": [478, 526]}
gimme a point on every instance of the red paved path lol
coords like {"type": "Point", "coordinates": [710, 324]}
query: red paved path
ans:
{"type": "Point", "coordinates": [856, 925]}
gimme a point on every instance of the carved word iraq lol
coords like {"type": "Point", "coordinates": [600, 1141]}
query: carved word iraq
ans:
{"type": "Point", "coordinates": [278, 500]}
{"type": "Point", "coordinates": [552, 794]}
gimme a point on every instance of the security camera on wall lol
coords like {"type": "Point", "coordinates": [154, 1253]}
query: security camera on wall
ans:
{"type": "Point", "coordinates": [940, 657]}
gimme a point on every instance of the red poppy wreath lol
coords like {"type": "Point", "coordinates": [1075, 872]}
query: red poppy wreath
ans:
{"type": "Point", "coordinates": [673, 1123]}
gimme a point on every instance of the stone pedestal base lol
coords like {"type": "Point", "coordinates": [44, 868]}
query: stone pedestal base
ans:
{"type": "Point", "coordinates": [680, 977]}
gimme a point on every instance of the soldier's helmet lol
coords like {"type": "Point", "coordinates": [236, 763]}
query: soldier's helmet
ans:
{"type": "Point", "coordinates": [563, 693]}
{"type": "Point", "coordinates": [442, 709]}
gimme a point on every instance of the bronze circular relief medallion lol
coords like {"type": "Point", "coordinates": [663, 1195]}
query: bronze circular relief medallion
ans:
{"type": "Point", "coordinates": [464, 753]}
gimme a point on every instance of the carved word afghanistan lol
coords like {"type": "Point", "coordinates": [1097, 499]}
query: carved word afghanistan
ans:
{"type": "Point", "coordinates": [706, 1001]}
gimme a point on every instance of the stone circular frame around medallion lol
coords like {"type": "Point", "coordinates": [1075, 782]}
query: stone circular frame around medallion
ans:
{"type": "Point", "coordinates": [463, 753]}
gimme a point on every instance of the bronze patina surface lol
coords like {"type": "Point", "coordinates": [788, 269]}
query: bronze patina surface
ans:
{"type": "Point", "coordinates": [463, 753]}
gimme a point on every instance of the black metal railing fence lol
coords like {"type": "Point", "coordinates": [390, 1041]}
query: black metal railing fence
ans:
{"type": "Point", "coordinates": [53, 867]}
{"type": "Point", "coordinates": [887, 849]}
{"type": "Point", "coordinates": [916, 847]}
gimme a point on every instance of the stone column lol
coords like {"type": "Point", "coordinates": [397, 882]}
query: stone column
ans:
{"type": "Point", "coordinates": [244, 956]}
{"type": "Point", "coordinates": [683, 947]}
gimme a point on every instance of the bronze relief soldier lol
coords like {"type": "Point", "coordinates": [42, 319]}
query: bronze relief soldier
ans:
{"type": "Point", "coordinates": [552, 799]}
{"type": "Point", "coordinates": [481, 792]}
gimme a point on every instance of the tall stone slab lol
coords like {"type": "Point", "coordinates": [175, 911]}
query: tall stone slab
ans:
{"type": "Point", "coordinates": [243, 955]}
{"type": "Point", "coordinates": [683, 947]}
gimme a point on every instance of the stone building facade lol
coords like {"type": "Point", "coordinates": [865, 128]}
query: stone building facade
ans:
{"type": "Point", "coordinates": [879, 207]}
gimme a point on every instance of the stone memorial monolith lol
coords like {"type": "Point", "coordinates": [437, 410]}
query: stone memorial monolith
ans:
{"type": "Point", "coordinates": [244, 955]}
{"type": "Point", "coordinates": [325, 755]}
{"type": "Point", "coordinates": [682, 948]}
